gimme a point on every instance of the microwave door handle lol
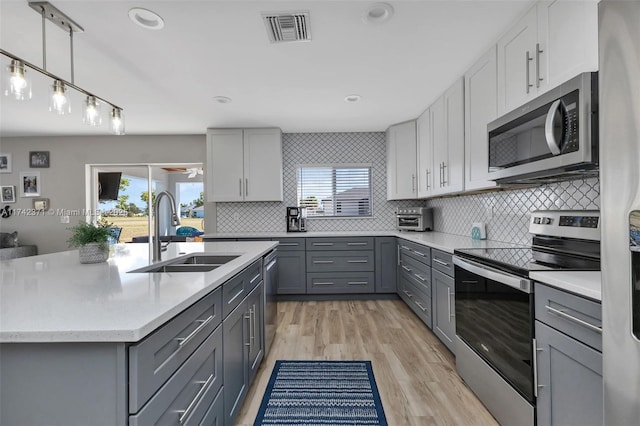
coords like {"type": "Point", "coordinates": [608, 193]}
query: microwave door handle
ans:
{"type": "Point", "coordinates": [554, 146]}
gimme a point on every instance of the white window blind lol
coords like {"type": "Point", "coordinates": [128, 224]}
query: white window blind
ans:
{"type": "Point", "coordinates": [330, 191]}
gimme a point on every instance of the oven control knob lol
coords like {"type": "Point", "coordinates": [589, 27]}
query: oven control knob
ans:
{"type": "Point", "coordinates": [546, 221]}
{"type": "Point", "coordinates": [536, 220]}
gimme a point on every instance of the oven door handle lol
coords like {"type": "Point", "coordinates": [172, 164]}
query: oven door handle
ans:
{"type": "Point", "coordinates": [514, 281]}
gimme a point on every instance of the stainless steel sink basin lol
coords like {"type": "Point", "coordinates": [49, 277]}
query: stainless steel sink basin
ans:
{"type": "Point", "coordinates": [180, 268]}
{"type": "Point", "coordinates": [203, 259]}
{"type": "Point", "coordinates": [202, 262]}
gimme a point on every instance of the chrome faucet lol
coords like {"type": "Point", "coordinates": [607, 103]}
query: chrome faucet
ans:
{"type": "Point", "coordinates": [175, 221]}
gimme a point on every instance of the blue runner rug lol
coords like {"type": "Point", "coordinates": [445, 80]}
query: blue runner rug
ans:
{"type": "Point", "coordinates": [321, 393]}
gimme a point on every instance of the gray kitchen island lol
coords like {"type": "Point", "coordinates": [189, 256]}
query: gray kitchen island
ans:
{"type": "Point", "coordinates": [101, 345]}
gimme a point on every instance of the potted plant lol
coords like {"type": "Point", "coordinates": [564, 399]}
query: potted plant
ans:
{"type": "Point", "coordinates": [91, 240]}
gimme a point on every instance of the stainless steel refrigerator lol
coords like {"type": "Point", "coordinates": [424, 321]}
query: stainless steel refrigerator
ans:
{"type": "Point", "coordinates": [619, 80]}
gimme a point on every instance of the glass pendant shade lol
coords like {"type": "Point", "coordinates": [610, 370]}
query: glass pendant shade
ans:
{"type": "Point", "coordinates": [18, 86]}
{"type": "Point", "coordinates": [117, 121]}
{"type": "Point", "coordinates": [92, 112]}
{"type": "Point", "coordinates": [59, 101]}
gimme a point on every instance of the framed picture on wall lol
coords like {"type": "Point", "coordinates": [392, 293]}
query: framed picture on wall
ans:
{"type": "Point", "coordinates": [8, 194]}
{"type": "Point", "coordinates": [30, 184]}
{"type": "Point", "coordinates": [5, 163]}
{"type": "Point", "coordinates": [39, 159]}
{"type": "Point", "coordinates": [40, 204]}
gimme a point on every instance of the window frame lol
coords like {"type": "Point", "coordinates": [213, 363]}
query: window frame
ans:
{"type": "Point", "coordinates": [333, 168]}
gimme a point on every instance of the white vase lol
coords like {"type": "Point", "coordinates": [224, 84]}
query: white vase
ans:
{"type": "Point", "coordinates": [94, 253]}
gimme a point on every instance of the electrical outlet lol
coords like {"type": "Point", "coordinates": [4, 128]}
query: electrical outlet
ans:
{"type": "Point", "coordinates": [64, 219]}
{"type": "Point", "coordinates": [236, 216]}
{"type": "Point", "coordinates": [488, 212]}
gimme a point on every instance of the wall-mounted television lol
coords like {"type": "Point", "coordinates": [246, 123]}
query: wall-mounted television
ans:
{"type": "Point", "coordinates": [108, 185]}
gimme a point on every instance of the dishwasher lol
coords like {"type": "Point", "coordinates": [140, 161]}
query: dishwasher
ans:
{"type": "Point", "coordinates": [270, 304]}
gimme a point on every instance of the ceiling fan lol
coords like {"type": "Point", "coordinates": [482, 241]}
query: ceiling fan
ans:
{"type": "Point", "coordinates": [193, 172]}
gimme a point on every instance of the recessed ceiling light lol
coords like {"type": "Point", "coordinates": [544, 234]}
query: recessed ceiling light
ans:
{"type": "Point", "coordinates": [222, 99]}
{"type": "Point", "coordinates": [378, 13]}
{"type": "Point", "coordinates": [146, 18]}
{"type": "Point", "coordinates": [352, 98]}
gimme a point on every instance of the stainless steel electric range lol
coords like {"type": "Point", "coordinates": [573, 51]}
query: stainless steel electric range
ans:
{"type": "Point", "coordinates": [494, 307]}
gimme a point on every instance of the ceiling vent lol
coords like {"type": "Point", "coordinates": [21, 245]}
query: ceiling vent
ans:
{"type": "Point", "coordinates": [283, 27]}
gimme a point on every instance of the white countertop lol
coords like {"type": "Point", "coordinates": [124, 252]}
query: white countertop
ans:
{"type": "Point", "coordinates": [437, 240]}
{"type": "Point", "coordinates": [583, 283]}
{"type": "Point", "coordinates": [55, 298]}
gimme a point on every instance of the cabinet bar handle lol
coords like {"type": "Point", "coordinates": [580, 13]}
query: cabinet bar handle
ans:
{"type": "Point", "coordinates": [406, 248]}
{"type": "Point", "coordinates": [449, 302]}
{"type": "Point", "coordinates": [470, 282]}
{"type": "Point", "coordinates": [420, 277]}
{"type": "Point", "coordinates": [413, 183]}
{"type": "Point", "coordinates": [240, 182]}
{"type": "Point", "coordinates": [271, 264]}
{"type": "Point", "coordinates": [398, 255]}
{"type": "Point", "coordinates": [187, 412]}
{"type": "Point", "coordinates": [535, 368]}
{"type": "Point", "coordinates": [428, 173]}
{"type": "Point", "coordinates": [407, 293]}
{"type": "Point", "coordinates": [538, 52]}
{"type": "Point", "coordinates": [444, 174]}
{"type": "Point", "coordinates": [357, 261]}
{"type": "Point", "coordinates": [322, 244]}
{"type": "Point", "coordinates": [246, 187]}
{"type": "Point", "coordinates": [440, 165]}
{"type": "Point", "coordinates": [406, 269]}
{"type": "Point", "coordinates": [254, 278]}
{"type": "Point", "coordinates": [203, 323]}
{"type": "Point", "coordinates": [235, 296]}
{"type": "Point", "coordinates": [323, 261]}
{"type": "Point", "coordinates": [289, 244]}
{"type": "Point", "coordinates": [440, 262]}
{"type": "Point", "coordinates": [248, 317]}
{"type": "Point", "coordinates": [574, 319]}
{"type": "Point", "coordinates": [357, 282]}
{"type": "Point", "coordinates": [252, 312]}
{"type": "Point", "coordinates": [420, 306]}
{"type": "Point", "coordinates": [419, 253]}
{"type": "Point", "coordinates": [528, 59]}
{"type": "Point", "coordinates": [357, 244]}
{"type": "Point", "coordinates": [323, 283]}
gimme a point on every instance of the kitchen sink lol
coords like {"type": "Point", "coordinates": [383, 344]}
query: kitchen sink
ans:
{"type": "Point", "coordinates": [192, 263]}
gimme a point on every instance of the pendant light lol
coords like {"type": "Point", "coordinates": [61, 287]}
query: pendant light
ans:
{"type": "Point", "coordinates": [17, 86]}
{"type": "Point", "coordinates": [117, 121]}
{"type": "Point", "coordinates": [59, 101]}
{"type": "Point", "coordinates": [92, 111]}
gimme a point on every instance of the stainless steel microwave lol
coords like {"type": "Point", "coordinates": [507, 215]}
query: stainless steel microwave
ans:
{"type": "Point", "coordinates": [551, 137]}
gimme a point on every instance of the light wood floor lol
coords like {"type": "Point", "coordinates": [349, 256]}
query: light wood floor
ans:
{"type": "Point", "coordinates": [414, 371]}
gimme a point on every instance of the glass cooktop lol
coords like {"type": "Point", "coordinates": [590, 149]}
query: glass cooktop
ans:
{"type": "Point", "coordinates": [522, 260]}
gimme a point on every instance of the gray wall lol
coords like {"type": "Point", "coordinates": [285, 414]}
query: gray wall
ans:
{"type": "Point", "coordinates": [64, 181]}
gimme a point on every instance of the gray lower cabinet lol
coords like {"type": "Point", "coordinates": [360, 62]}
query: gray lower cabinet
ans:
{"type": "Point", "coordinates": [414, 279]}
{"type": "Point", "coordinates": [386, 264]}
{"type": "Point", "coordinates": [241, 352]}
{"type": "Point", "coordinates": [292, 278]}
{"type": "Point", "coordinates": [442, 296]}
{"type": "Point", "coordinates": [255, 305]}
{"type": "Point", "coordinates": [568, 332]}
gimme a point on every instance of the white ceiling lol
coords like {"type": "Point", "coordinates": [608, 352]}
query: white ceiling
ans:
{"type": "Point", "coordinates": [166, 80]}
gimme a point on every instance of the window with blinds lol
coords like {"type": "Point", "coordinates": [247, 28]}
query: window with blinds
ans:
{"type": "Point", "coordinates": [335, 191]}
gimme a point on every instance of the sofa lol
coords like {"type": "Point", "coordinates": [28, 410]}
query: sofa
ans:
{"type": "Point", "coordinates": [10, 249]}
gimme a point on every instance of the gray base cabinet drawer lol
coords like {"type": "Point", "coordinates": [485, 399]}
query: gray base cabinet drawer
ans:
{"type": "Point", "coordinates": [328, 261]}
{"type": "Point", "coordinates": [341, 243]}
{"type": "Point", "coordinates": [442, 261]}
{"type": "Point", "coordinates": [187, 396]}
{"type": "Point", "coordinates": [419, 303]}
{"type": "Point", "coordinates": [238, 287]}
{"type": "Point", "coordinates": [419, 252]}
{"type": "Point", "coordinates": [292, 272]}
{"type": "Point", "coordinates": [569, 380]}
{"type": "Point", "coordinates": [215, 414]}
{"type": "Point", "coordinates": [345, 282]}
{"type": "Point", "coordinates": [573, 315]}
{"type": "Point", "coordinates": [156, 358]}
{"type": "Point", "coordinates": [291, 244]}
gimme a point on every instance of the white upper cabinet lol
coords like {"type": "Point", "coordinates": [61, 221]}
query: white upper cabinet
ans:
{"type": "Point", "coordinates": [425, 154]}
{"type": "Point", "coordinates": [481, 107]}
{"type": "Point", "coordinates": [553, 42]}
{"type": "Point", "coordinates": [447, 127]}
{"type": "Point", "coordinates": [401, 161]}
{"type": "Point", "coordinates": [244, 165]}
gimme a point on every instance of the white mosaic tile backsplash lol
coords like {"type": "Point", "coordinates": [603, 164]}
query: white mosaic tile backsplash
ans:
{"type": "Point", "coordinates": [505, 212]}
